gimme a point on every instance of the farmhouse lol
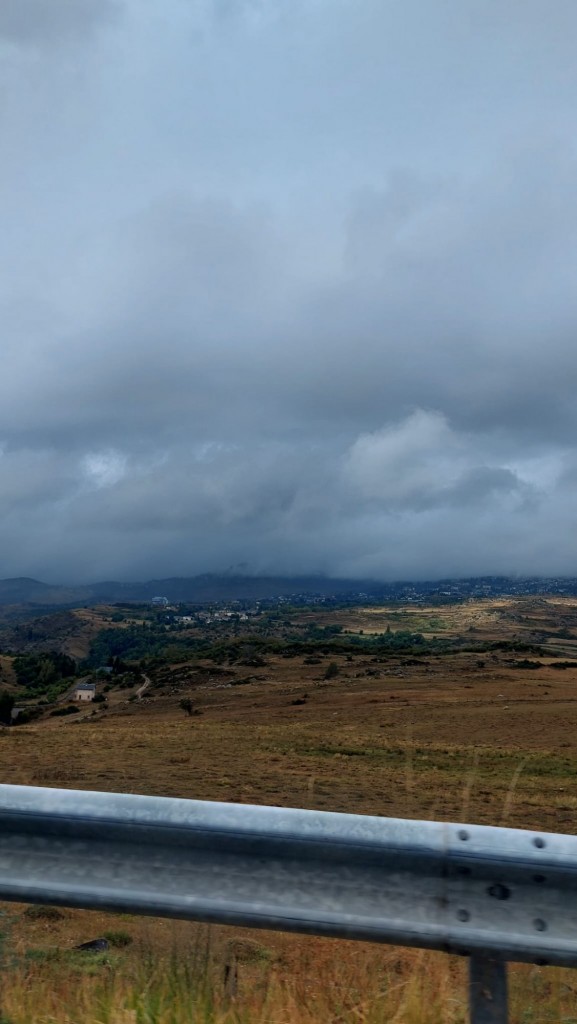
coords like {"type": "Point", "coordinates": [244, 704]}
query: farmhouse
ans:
{"type": "Point", "coordinates": [85, 691]}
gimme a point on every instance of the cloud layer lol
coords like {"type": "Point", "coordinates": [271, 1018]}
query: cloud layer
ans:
{"type": "Point", "coordinates": [288, 285]}
{"type": "Point", "coordinates": [46, 22]}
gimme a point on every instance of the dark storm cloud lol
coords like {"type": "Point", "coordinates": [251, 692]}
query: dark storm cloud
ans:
{"type": "Point", "coordinates": [291, 286]}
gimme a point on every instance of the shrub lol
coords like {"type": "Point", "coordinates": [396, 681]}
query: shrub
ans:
{"type": "Point", "coordinates": [42, 913]}
{"type": "Point", "coordinates": [6, 705]}
{"type": "Point", "coordinates": [118, 939]}
{"type": "Point", "coordinates": [70, 709]}
{"type": "Point", "coordinates": [27, 715]}
{"type": "Point", "coordinates": [41, 671]}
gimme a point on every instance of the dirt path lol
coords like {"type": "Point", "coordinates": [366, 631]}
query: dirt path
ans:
{"type": "Point", "coordinates": [142, 689]}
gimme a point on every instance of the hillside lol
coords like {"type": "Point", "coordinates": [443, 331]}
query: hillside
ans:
{"type": "Point", "coordinates": [206, 588]}
{"type": "Point", "coordinates": [23, 590]}
{"type": "Point", "coordinates": [21, 595]}
{"type": "Point", "coordinates": [465, 712]}
{"type": "Point", "coordinates": [287, 697]}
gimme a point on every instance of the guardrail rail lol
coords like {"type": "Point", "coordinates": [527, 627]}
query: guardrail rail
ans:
{"type": "Point", "coordinates": [492, 894]}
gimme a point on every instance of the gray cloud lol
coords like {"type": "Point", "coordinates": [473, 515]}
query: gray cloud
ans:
{"type": "Point", "coordinates": [27, 22]}
{"type": "Point", "coordinates": [291, 286]}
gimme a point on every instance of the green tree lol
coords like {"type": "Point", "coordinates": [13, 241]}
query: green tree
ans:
{"type": "Point", "coordinates": [6, 704]}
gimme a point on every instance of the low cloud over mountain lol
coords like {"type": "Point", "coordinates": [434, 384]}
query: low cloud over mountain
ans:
{"type": "Point", "coordinates": [290, 285]}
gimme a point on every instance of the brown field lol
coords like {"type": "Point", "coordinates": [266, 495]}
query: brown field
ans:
{"type": "Point", "coordinates": [443, 740]}
{"type": "Point", "coordinates": [463, 736]}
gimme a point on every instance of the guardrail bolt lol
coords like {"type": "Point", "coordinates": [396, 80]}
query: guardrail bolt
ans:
{"type": "Point", "coordinates": [499, 892]}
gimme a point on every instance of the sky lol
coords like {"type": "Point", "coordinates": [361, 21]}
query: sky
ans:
{"type": "Point", "coordinates": [288, 286]}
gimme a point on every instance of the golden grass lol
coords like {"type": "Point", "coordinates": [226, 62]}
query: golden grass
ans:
{"type": "Point", "coordinates": [457, 738]}
{"type": "Point", "coordinates": [353, 767]}
{"type": "Point", "coordinates": [176, 974]}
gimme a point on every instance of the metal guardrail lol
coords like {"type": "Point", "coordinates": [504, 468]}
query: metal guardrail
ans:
{"type": "Point", "coordinates": [493, 894]}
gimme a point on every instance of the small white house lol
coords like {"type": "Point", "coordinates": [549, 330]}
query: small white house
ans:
{"type": "Point", "coordinates": [85, 691]}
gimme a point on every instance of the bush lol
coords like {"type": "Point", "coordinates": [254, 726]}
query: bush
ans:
{"type": "Point", "coordinates": [27, 715]}
{"type": "Point", "coordinates": [6, 704]}
{"type": "Point", "coordinates": [248, 951]}
{"type": "Point", "coordinates": [332, 670]}
{"type": "Point", "coordinates": [70, 709]}
{"type": "Point", "coordinates": [42, 913]}
{"type": "Point", "coordinates": [41, 671]}
{"type": "Point", "coordinates": [118, 939]}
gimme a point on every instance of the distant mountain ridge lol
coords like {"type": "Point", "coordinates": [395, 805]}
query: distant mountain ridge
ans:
{"type": "Point", "coordinates": [205, 588]}
{"type": "Point", "coordinates": [24, 591]}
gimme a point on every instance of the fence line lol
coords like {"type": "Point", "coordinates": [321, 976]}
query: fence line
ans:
{"type": "Point", "coordinates": [493, 894]}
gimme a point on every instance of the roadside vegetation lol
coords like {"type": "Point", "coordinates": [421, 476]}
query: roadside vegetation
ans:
{"type": "Point", "coordinates": [159, 972]}
{"type": "Point", "coordinates": [472, 717]}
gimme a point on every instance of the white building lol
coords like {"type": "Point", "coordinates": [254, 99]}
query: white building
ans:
{"type": "Point", "coordinates": [85, 691]}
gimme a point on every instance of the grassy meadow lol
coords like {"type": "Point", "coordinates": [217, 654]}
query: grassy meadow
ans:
{"type": "Point", "coordinates": [466, 734]}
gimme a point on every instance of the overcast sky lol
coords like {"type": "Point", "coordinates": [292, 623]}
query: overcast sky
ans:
{"type": "Point", "coordinates": [288, 284]}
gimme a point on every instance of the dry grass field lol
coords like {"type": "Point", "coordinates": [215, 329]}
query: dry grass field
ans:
{"type": "Point", "coordinates": [487, 737]}
{"type": "Point", "coordinates": [173, 973]}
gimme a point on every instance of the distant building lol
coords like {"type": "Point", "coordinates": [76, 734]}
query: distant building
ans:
{"type": "Point", "coordinates": [85, 691]}
{"type": "Point", "coordinates": [161, 602]}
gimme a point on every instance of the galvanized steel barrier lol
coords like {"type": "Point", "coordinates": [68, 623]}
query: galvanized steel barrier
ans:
{"type": "Point", "coordinates": [492, 894]}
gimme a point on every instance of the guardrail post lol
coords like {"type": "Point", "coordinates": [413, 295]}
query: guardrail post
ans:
{"type": "Point", "coordinates": [487, 990]}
